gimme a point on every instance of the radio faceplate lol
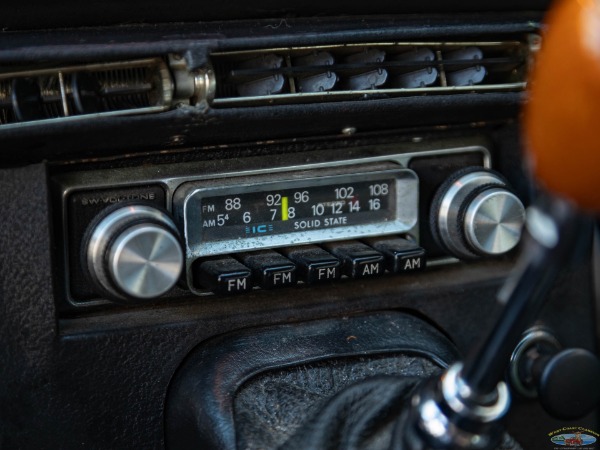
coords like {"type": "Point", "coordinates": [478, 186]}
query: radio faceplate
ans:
{"type": "Point", "coordinates": [239, 206]}
{"type": "Point", "coordinates": [227, 216]}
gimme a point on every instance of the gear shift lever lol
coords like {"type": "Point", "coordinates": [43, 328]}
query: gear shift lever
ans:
{"type": "Point", "coordinates": [464, 408]}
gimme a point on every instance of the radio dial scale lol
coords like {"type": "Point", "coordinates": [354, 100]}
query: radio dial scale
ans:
{"type": "Point", "coordinates": [228, 216]}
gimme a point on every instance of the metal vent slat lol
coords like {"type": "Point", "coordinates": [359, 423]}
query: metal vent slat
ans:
{"type": "Point", "coordinates": [342, 72]}
{"type": "Point", "coordinates": [244, 75]}
{"type": "Point", "coordinates": [43, 94]}
{"type": "Point", "coordinates": [73, 92]}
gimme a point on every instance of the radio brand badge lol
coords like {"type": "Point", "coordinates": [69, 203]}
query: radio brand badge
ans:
{"type": "Point", "coordinates": [574, 437]}
{"type": "Point", "coordinates": [259, 229]}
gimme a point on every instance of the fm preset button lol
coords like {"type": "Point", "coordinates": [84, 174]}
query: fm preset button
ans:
{"type": "Point", "coordinates": [270, 269]}
{"type": "Point", "coordinates": [315, 265]}
{"type": "Point", "coordinates": [358, 260]}
{"type": "Point", "coordinates": [222, 275]}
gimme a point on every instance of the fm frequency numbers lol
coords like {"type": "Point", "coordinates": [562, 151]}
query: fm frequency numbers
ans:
{"type": "Point", "coordinates": [301, 208]}
{"type": "Point", "coordinates": [260, 212]}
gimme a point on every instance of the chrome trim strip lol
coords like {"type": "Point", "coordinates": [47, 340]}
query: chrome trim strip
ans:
{"type": "Point", "coordinates": [339, 95]}
{"type": "Point", "coordinates": [448, 44]}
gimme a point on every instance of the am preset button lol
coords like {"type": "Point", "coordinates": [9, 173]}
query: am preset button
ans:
{"type": "Point", "coordinates": [222, 275]}
{"type": "Point", "coordinates": [401, 255]}
{"type": "Point", "coordinates": [270, 269]}
{"type": "Point", "coordinates": [358, 260]}
{"type": "Point", "coordinates": [315, 265]}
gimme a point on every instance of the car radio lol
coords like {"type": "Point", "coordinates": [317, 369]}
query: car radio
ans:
{"type": "Point", "coordinates": [136, 234]}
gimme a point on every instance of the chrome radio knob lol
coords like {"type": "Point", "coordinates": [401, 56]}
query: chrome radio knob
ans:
{"type": "Point", "coordinates": [475, 214]}
{"type": "Point", "coordinates": [134, 253]}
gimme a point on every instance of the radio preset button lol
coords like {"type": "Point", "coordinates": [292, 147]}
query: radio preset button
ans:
{"type": "Point", "coordinates": [401, 255]}
{"type": "Point", "coordinates": [270, 269]}
{"type": "Point", "coordinates": [358, 260]}
{"type": "Point", "coordinates": [222, 275]}
{"type": "Point", "coordinates": [315, 265]}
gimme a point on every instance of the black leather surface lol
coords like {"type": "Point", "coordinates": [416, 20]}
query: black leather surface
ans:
{"type": "Point", "coordinates": [27, 314]}
{"type": "Point", "coordinates": [368, 415]}
{"type": "Point", "coordinates": [200, 407]}
{"type": "Point", "coordinates": [280, 408]}
{"type": "Point", "coordinates": [361, 417]}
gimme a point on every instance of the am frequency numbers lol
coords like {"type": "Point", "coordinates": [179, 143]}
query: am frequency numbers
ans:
{"type": "Point", "coordinates": [299, 208]}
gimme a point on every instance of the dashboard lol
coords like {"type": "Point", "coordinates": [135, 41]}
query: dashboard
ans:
{"type": "Point", "coordinates": [216, 217]}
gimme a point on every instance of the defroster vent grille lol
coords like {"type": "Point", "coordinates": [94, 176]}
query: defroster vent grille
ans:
{"type": "Point", "coordinates": [70, 92]}
{"type": "Point", "coordinates": [342, 72]}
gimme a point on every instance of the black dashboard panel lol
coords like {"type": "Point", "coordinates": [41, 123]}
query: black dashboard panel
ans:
{"type": "Point", "coordinates": [99, 13]}
{"type": "Point", "coordinates": [82, 369]}
{"type": "Point", "coordinates": [185, 127]}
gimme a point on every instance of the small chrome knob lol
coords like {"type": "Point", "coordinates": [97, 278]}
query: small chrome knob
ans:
{"type": "Point", "coordinates": [134, 253]}
{"type": "Point", "coordinates": [474, 214]}
{"type": "Point", "coordinates": [493, 221]}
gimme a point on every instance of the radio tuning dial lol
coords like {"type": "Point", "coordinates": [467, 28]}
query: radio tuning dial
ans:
{"type": "Point", "coordinates": [134, 253]}
{"type": "Point", "coordinates": [474, 214]}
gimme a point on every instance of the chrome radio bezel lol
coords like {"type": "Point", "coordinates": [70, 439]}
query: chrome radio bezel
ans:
{"type": "Point", "coordinates": [187, 199]}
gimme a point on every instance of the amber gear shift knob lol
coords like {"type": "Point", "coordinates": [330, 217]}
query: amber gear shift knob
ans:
{"type": "Point", "coordinates": [562, 118]}
{"type": "Point", "coordinates": [464, 408]}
